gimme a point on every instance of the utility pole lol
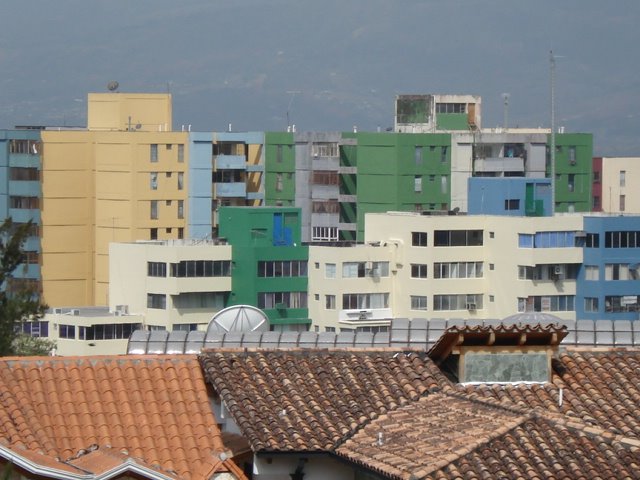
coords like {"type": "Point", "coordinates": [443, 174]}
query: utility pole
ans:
{"type": "Point", "coordinates": [293, 93]}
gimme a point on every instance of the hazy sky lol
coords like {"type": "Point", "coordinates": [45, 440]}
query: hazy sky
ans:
{"type": "Point", "coordinates": [238, 61]}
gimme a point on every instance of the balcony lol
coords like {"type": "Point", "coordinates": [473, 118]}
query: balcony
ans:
{"type": "Point", "coordinates": [229, 162]}
{"type": "Point", "coordinates": [230, 190]}
{"type": "Point", "coordinates": [498, 164]}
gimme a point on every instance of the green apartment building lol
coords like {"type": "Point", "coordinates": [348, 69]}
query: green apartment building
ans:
{"type": "Point", "coordinates": [269, 263]}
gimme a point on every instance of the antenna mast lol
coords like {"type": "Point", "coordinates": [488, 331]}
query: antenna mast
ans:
{"type": "Point", "coordinates": [552, 156]}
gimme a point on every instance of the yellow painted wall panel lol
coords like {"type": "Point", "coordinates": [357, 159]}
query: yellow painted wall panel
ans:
{"type": "Point", "coordinates": [113, 185]}
{"type": "Point", "coordinates": [66, 266]}
{"type": "Point", "coordinates": [67, 238]}
{"type": "Point", "coordinates": [66, 211]}
{"type": "Point", "coordinates": [66, 293]}
{"type": "Point", "coordinates": [66, 184]}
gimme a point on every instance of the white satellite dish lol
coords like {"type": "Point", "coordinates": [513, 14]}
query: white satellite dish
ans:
{"type": "Point", "coordinates": [239, 318]}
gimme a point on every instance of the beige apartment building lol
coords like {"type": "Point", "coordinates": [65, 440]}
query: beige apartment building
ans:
{"type": "Point", "coordinates": [620, 181]}
{"type": "Point", "coordinates": [122, 179]}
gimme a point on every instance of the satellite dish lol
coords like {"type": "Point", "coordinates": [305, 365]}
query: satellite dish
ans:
{"type": "Point", "coordinates": [113, 85]}
{"type": "Point", "coordinates": [239, 318]}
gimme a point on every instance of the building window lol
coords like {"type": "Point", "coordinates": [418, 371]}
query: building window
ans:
{"type": "Point", "coordinates": [449, 107]}
{"type": "Point", "coordinates": [282, 300]}
{"type": "Point", "coordinates": [592, 240]}
{"type": "Point", "coordinates": [324, 177]}
{"type": "Point", "coordinates": [617, 271]}
{"type": "Point", "coordinates": [180, 180]}
{"type": "Point", "coordinates": [622, 239]}
{"type": "Point", "coordinates": [153, 233]}
{"type": "Point", "coordinates": [201, 268]}
{"type": "Point", "coordinates": [443, 184]}
{"type": "Point", "coordinates": [180, 209]}
{"type": "Point", "coordinates": [623, 178]}
{"type": "Point", "coordinates": [359, 301]}
{"type": "Point", "coordinates": [157, 300]}
{"type": "Point", "coordinates": [365, 269]}
{"type": "Point", "coordinates": [330, 302]}
{"type": "Point", "coordinates": [278, 182]}
{"type": "Point", "coordinates": [279, 153]}
{"type": "Point", "coordinates": [596, 177]}
{"type": "Point", "coordinates": [330, 329]}
{"type": "Point", "coordinates": [548, 303]}
{"type": "Point", "coordinates": [596, 202]}
{"type": "Point", "coordinates": [29, 147]}
{"type": "Point", "coordinates": [457, 238]}
{"type": "Point", "coordinates": [24, 202]}
{"type": "Point", "coordinates": [417, 155]}
{"type": "Point", "coordinates": [111, 331]}
{"type": "Point", "coordinates": [418, 270]}
{"type": "Point", "coordinates": [621, 303]}
{"type": "Point", "coordinates": [330, 270]}
{"type": "Point", "coordinates": [180, 153]}
{"type": "Point", "coordinates": [67, 331]}
{"type": "Point", "coordinates": [443, 154]}
{"type": "Point", "coordinates": [572, 155]}
{"type": "Point", "coordinates": [571, 182]}
{"type": "Point", "coordinates": [417, 184]}
{"type": "Point", "coordinates": [156, 269]}
{"type": "Point", "coordinates": [153, 180]}
{"type": "Point", "coordinates": [193, 300]}
{"type": "Point", "coordinates": [324, 149]}
{"type": "Point", "coordinates": [622, 203]}
{"type": "Point", "coordinates": [590, 304]}
{"type": "Point", "coordinates": [458, 270]}
{"type": "Point", "coordinates": [282, 268]}
{"type": "Point", "coordinates": [24, 174]}
{"type": "Point", "coordinates": [591, 272]}
{"type": "Point", "coordinates": [512, 204]}
{"type": "Point", "coordinates": [418, 302]}
{"type": "Point", "coordinates": [547, 240]}
{"type": "Point", "coordinates": [324, 234]}
{"type": "Point", "coordinates": [153, 214]}
{"type": "Point", "coordinates": [457, 302]}
{"type": "Point", "coordinates": [419, 239]}
{"type": "Point", "coordinates": [325, 206]}
{"type": "Point", "coordinates": [153, 152]}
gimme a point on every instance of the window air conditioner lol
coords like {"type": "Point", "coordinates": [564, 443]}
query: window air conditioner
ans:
{"type": "Point", "coordinates": [471, 307]}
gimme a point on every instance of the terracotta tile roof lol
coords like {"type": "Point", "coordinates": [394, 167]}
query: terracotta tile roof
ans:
{"type": "Point", "coordinates": [600, 388]}
{"type": "Point", "coordinates": [91, 414]}
{"type": "Point", "coordinates": [303, 400]}
{"type": "Point", "coordinates": [447, 437]}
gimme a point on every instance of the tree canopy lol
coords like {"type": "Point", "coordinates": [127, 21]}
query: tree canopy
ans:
{"type": "Point", "coordinates": [19, 300]}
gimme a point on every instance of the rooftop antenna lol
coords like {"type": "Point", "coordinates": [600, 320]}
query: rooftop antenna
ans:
{"type": "Point", "coordinates": [552, 153]}
{"type": "Point", "coordinates": [505, 117]}
{"type": "Point", "coordinates": [293, 93]}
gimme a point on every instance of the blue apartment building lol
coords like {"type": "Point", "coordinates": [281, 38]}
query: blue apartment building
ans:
{"type": "Point", "coordinates": [608, 285]}
{"type": "Point", "coordinates": [512, 196]}
{"type": "Point", "coordinates": [21, 192]}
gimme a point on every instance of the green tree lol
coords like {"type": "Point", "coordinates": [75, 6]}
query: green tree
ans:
{"type": "Point", "coordinates": [18, 301]}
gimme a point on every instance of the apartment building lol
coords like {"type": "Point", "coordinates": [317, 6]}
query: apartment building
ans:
{"type": "Point", "coordinates": [447, 266]}
{"type": "Point", "coordinates": [618, 183]}
{"type": "Point", "coordinates": [424, 165]}
{"type": "Point", "coordinates": [20, 194]}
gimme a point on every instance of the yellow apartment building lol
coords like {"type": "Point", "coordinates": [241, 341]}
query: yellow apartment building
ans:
{"type": "Point", "coordinates": [122, 179]}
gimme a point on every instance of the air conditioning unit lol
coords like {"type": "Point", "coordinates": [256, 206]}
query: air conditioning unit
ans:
{"type": "Point", "coordinates": [122, 309]}
{"type": "Point", "coordinates": [557, 269]}
{"type": "Point", "coordinates": [471, 307]}
{"type": "Point", "coordinates": [57, 311]}
{"type": "Point", "coordinates": [75, 312]}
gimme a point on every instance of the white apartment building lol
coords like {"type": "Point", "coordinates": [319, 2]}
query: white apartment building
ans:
{"type": "Point", "coordinates": [415, 265]}
{"type": "Point", "coordinates": [173, 284]}
{"type": "Point", "coordinates": [620, 180]}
